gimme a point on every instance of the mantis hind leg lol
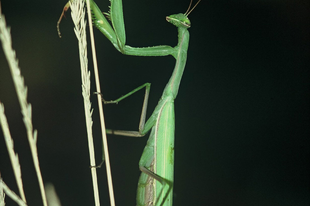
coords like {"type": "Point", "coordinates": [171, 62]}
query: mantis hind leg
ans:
{"type": "Point", "coordinates": [146, 194]}
{"type": "Point", "coordinates": [142, 129]}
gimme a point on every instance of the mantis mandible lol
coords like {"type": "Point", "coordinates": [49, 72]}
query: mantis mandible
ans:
{"type": "Point", "coordinates": [155, 186]}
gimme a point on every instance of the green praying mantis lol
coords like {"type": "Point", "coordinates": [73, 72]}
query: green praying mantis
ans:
{"type": "Point", "coordinates": [155, 186]}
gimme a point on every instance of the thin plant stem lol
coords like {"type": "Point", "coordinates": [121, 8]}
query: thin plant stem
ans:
{"type": "Point", "coordinates": [13, 156]}
{"type": "Point", "coordinates": [26, 109]}
{"type": "Point", "coordinates": [78, 17]}
{"type": "Point", "coordinates": [102, 122]}
{"type": "Point", "coordinates": [11, 193]}
{"type": "Point", "coordinates": [80, 33]}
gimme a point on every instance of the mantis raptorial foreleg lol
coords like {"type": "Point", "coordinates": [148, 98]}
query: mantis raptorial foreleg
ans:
{"type": "Point", "coordinates": [155, 186]}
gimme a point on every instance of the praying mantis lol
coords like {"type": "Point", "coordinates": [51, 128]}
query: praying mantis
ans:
{"type": "Point", "coordinates": [155, 186]}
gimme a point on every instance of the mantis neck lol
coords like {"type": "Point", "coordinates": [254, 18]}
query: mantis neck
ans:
{"type": "Point", "coordinates": [173, 85]}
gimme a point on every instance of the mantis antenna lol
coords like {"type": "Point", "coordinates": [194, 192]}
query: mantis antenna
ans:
{"type": "Point", "coordinates": [187, 11]}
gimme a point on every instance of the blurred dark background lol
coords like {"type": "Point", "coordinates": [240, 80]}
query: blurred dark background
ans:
{"type": "Point", "coordinates": [242, 113]}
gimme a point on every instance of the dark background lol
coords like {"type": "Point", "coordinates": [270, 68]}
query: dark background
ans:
{"type": "Point", "coordinates": [242, 113]}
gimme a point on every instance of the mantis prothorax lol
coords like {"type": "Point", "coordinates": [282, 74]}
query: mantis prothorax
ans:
{"type": "Point", "coordinates": [155, 186]}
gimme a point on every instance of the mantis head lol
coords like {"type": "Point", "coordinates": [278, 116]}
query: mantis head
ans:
{"type": "Point", "coordinates": [181, 20]}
